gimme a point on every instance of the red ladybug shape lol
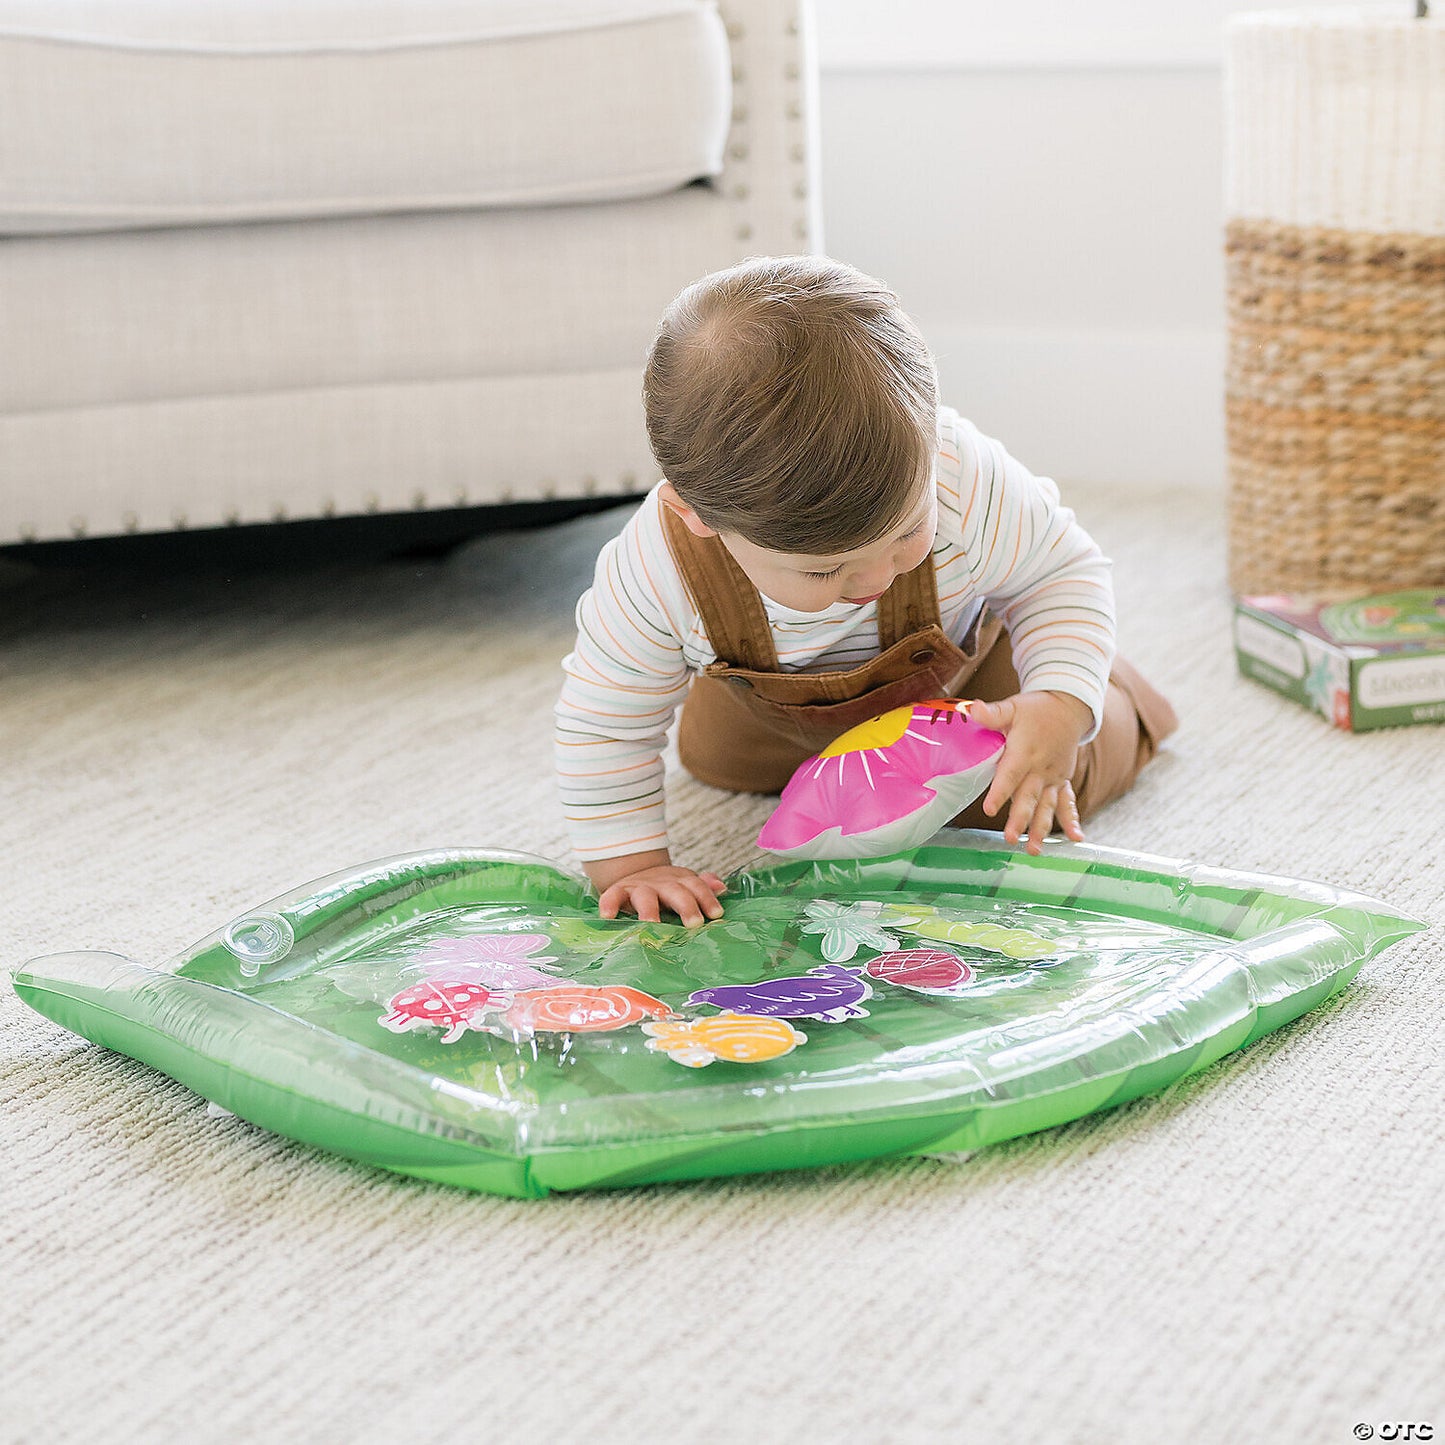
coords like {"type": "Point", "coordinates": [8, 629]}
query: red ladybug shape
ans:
{"type": "Point", "coordinates": [455, 1005]}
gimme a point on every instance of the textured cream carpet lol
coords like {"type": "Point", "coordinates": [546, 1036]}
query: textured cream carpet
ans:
{"type": "Point", "coordinates": [1256, 1255]}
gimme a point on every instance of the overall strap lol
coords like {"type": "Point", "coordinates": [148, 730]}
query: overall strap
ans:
{"type": "Point", "coordinates": [909, 605]}
{"type": "Point", "coordinates": [731, 609]}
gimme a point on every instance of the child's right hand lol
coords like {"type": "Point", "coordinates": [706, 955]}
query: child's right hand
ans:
{"type": "Point", "coordinates": [645, 883]}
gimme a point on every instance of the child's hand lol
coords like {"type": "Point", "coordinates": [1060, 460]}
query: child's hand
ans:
{"type": "Point", "coordinates": [1043, 731]}
{"type": "Point", "coordinates": [645, 883]}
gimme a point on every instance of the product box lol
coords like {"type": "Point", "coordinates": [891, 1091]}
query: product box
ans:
{"type": "Point", "coordinates": [1372, 662]}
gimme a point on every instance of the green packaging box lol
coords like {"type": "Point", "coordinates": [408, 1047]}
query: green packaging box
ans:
{"type": "Point", "coordinates": [1365, 663]}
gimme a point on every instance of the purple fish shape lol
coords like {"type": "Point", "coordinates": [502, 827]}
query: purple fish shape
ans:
{"type": "Point", "coordinates": [830, 994]}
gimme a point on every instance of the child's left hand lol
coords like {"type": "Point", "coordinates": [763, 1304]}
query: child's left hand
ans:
{"type": "Point", "coordinates": [1043, 731]}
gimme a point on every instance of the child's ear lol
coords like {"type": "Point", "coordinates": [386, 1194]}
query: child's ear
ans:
{"type": "Point", "coordinates": [667, 495]}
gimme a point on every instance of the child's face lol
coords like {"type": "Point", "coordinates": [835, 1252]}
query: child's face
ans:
{"type": "Point", "coordinates": [809, 583]}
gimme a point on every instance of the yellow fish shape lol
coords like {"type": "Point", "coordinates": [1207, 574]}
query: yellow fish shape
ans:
{"type": "Point", "coordinates": [735, 1038]}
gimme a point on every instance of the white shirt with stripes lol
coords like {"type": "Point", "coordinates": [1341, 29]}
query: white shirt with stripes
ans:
{"type": "Point", "coordinates": [1003, 539]}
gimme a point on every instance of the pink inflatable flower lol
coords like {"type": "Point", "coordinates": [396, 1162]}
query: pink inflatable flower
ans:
{"type": "Point", "coordinates": [885, 785]}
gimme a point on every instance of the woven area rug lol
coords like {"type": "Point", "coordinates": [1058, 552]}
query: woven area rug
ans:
{"type": "Point", "coordinates": [1254, 1255]}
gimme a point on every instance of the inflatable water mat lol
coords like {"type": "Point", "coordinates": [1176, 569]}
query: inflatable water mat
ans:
{"type": "Point", "coordinates": [468, 1017]}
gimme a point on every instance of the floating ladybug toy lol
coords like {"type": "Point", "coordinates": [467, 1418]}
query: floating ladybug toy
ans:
{"type": "Point", "coordinates": [453, 1004]}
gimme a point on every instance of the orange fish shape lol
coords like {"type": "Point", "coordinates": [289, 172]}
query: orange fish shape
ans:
{"type": "Point", "coordinates": [735, 1038]}
{"type": "Point", "coordinates": [580, 1008]}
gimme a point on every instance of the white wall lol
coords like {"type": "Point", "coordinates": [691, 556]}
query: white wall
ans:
{"type": "Point", "coordinates": [933, 34]}
{"type": "Point", "coordinates": [1043, 187]}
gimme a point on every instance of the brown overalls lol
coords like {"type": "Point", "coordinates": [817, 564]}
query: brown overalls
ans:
{"type": "Point", "coordinates": [747, 725]}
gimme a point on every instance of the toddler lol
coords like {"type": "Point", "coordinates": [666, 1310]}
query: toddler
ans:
{"type": "Point", "coordinates": [829, 543]}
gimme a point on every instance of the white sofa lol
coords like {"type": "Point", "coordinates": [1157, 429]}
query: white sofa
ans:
{"type": "Point", "coordinates": [273, 259]}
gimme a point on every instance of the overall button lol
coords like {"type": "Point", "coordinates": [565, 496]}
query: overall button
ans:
{"type": "Point", "coordinates": [741, 682]}
{"type": "Point", "coordinates": [924, 654]}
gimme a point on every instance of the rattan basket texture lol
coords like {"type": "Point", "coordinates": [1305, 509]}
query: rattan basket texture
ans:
{"type": "Point", "coordinates": [1335, 266]}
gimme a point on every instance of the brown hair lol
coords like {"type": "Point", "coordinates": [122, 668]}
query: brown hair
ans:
{"type": "Point", "coordinates": [790, 400]}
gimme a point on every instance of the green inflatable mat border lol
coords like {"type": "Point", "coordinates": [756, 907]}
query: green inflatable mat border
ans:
{"type": "Point", "coordinates": [1297, 943]}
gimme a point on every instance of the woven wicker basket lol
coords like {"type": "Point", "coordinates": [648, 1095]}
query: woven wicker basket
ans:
{"type": "Point", "coordinates": [1335, 253]}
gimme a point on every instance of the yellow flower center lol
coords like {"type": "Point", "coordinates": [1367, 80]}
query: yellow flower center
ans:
{"type": "Point", "coordinates": [878, 732]}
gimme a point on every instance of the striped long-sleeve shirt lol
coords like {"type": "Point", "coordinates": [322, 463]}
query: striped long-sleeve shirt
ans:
{"type": "Point", "coordinates": [1003, 539]}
